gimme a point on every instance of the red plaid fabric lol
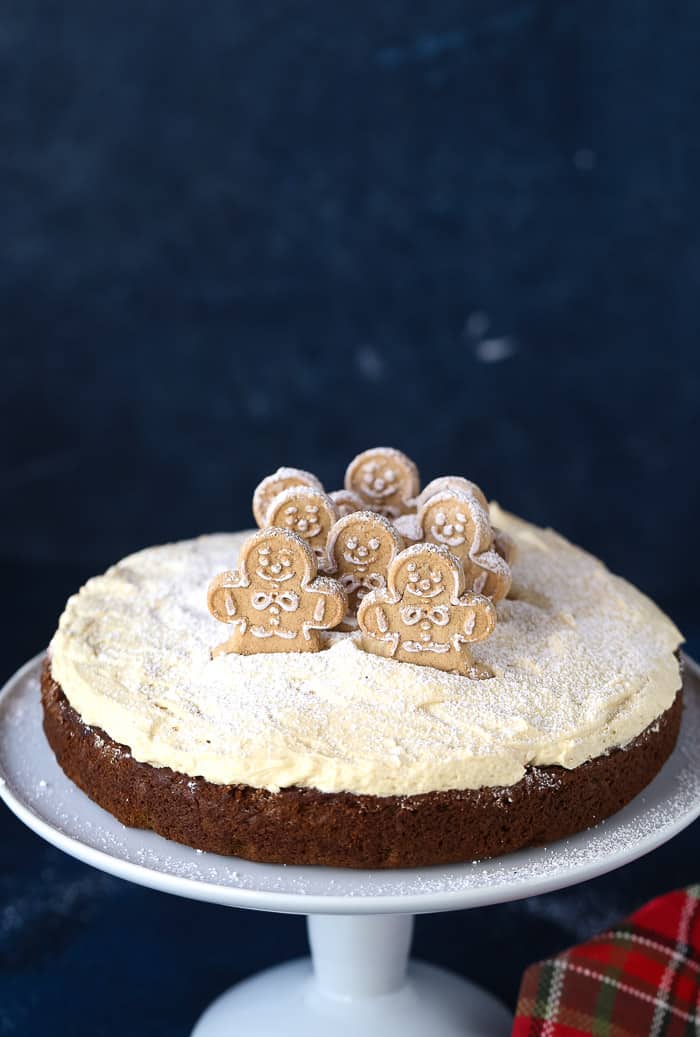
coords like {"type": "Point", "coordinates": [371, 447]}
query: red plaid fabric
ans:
{"type": "Point", "coordinates": [640, 979]}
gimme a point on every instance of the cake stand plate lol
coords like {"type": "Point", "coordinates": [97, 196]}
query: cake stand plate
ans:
{"type": "Point", "coordinates": [360, 922]}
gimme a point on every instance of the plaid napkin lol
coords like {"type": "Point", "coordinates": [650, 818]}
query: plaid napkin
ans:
{"type": "Point", "coordinates": [640, 979]}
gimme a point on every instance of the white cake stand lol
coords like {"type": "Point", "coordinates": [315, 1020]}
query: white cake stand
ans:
{"type": "Point", "coordinates": [357, 981]}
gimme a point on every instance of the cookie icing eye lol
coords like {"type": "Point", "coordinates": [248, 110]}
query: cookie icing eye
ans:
{"type": "Point", "coordinates": [374, 544]}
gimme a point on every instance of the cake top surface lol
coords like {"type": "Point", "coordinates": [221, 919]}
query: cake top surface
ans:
{"type": "Point", "coordinates": [582, 663]}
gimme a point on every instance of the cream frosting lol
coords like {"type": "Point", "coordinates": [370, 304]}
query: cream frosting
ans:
{"type": "Point", "coordinates": [582, 663]}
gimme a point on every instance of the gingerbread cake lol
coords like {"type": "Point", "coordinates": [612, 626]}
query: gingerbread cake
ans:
{"type": "Point", "coordinates": [361, 731]}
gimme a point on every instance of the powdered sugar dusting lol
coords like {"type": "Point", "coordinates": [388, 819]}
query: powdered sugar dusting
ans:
{"type": "Point", "coordinates": [26, 761]}
{"type": "Point", "coordinates": [583, 662]}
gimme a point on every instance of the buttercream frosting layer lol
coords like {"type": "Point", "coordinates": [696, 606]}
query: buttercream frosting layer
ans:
{"type": "Point", "coordinates": [582, 663]}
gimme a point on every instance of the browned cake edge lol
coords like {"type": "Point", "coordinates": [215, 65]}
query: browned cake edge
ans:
{"type": "Point", "coordinates": [341, 829]}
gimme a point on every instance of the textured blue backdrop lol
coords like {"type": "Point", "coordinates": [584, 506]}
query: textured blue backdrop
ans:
{"type": "Point", "coordinates": [235, 236]}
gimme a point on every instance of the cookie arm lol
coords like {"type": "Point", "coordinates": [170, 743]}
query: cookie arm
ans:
{"type": "Point", "coordinates": [330, 607]}
{"type": "Point", "coordinates": [495, 576]}
{"type": "Point", "coordinates": [373, 618]}
{"type": "Point", "coordinates": [479, 617]}
{"type": "Point", "coordinates": [221, 599]}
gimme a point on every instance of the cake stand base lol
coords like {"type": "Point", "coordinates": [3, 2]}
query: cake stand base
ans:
{"type": "Point", "coordinates": [357, 983]}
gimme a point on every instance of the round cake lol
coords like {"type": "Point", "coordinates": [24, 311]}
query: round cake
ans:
{"type": "Point", "coordinates": [346, 758]}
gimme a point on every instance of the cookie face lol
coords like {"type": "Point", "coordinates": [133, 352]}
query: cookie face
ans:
{"type": "Point", "coordinates": [362, 546]}
{"type": "Point", "coordinates": [385, 479]}
{"type": "Point", "coordinates": [275, 602]}
{"type": "Point", "coordinates": [307, 512]}
{"type": "Point", "coordinates": [426, 577]}
{"type": "Point", "coordinates": [272, 485]}
{"type": "Point", "coordinates": [451, 482]}
{"type": "Point", "coordinates": [278, 562]}
{"type": "Point", "coordinates": [457, 521]}
{"type": "Point", "coordinates": [423, 616]}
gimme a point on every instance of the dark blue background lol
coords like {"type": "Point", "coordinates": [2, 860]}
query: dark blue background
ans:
{"type": "Point", "coordinates": [235, 236]}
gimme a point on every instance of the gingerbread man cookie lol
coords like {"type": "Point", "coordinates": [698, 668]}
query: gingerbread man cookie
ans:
{"type": "Point", "coordinates": [309, 513]}
{"type": "Point", "coordinates": [424, 615]}
{"type": "Point", "coordinates": [385, 479]}
{"type": "Point", "coordinates": [282, 479]}
{"type": "Point", "coordinates": [458, 522]}
{"type": "Point", "coordinates": [274, 600]}
{"type": "Point", "coordinates": [362, 546]}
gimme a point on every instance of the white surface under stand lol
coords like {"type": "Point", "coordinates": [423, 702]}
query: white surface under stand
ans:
{"type": "Point", "coordinates": [360, 922]}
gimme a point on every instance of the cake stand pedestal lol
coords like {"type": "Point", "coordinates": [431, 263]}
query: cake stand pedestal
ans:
{"type": "Point", "coordinates": [359, 980]}
{"type": "Point", "coordinates": [356, 983]}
